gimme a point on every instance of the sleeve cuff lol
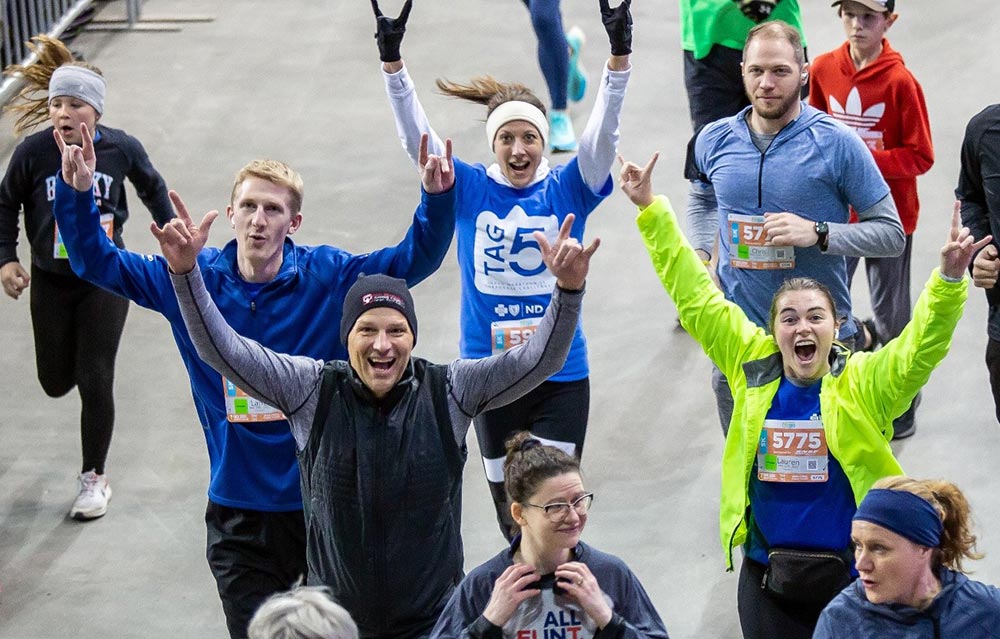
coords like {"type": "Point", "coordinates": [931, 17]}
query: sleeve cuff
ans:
{"type": "Point", "coordinates": [483, 628]}
{"type": "Point", "coordinates": [950, 279]}
{"type": "Point", "coordinates": [614, 629]}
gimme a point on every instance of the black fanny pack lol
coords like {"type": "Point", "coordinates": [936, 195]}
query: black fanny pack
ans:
{"type": "Point", "coordinates": [806, 576]}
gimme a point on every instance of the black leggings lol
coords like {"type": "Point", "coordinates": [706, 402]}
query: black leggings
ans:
{"type": "Point", "coordinates": [555, 411]}
{"type": "Point", "coordinates": [763, 617]}
{"type": "Point", "coordinates": [77, 329]}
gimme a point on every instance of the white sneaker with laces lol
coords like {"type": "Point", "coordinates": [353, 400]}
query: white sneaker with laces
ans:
{"type": "Point", "coordinates": [92, 501]}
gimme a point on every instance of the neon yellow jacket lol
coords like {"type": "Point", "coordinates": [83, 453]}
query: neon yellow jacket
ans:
{"type": "Point", "coordinates": [858, 399]}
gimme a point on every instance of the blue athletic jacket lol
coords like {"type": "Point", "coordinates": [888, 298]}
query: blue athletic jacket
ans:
{"type": "Point", "coordinates": [253, 464]}
{"type": "Point", "coordinates": [964, 608]}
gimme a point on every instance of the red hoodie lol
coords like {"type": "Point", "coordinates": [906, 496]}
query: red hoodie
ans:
{"type": "Point", "coordinates": [884, 103]}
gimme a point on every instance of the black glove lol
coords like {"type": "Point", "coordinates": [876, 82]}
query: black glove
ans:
{"type": "Point", "coordinates": [389, 32]}
{"type": "Point", "coordinates": [618, 24]}
{"type": "Point", "coordinates": [757, 10]}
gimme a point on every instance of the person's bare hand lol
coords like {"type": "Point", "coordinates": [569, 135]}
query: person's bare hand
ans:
{"type": "Point", "coordinates": [789, 229]}
{"type": "Point", "coordinates": [78, 163]}
{"type": "Point", "coordinates": [437, 174]}
{"type": "Point", "coordinates": [15, 279]}
{"type": "Point", "coordinates": [986, 267]}
{"type": "Point", "coordinates": [181, 239]}
{"type": "Point", "coordinates": [958, 250]}
{"type": "Point", "coordinates": [581, 585]}
{"type": "Point", "coordinates": [510, 589]}
{"type": "Point", "coordinates": [567, 259]}
{"type": "Point", "coordinates": [637, 182]}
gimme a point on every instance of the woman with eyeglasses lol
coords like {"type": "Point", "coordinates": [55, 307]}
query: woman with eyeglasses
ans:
{"type": "Point", "coordinates": [548, 583]}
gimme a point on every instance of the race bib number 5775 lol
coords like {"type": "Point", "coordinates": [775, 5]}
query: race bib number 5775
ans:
{"type": "Point", "coordinates": [507, 258]}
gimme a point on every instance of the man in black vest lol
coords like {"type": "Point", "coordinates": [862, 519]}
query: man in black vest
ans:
{"type": "Point", "coordinates": [381, 438]}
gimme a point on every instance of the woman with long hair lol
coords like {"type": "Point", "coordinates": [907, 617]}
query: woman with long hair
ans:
{"type": "Point", "coordinates": [77, 326]}
{"type": "Point", "coordinates": [505, 285]}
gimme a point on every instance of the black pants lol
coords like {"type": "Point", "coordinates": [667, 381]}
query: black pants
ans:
{"type": "Point", "coordinates": [555, 411]}
{"type": "Point", "coordinates": [763, 617]}
{"type": "Point", "coordinates": [993, 365]}
{"type": "Point", "coordinates": [77, 328]}
{"type": "Point", "coordinates": [253, 554]}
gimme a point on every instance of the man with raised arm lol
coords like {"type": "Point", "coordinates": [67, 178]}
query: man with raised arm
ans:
{"type": "Point", "coordinates": [381, 437]}
{"type": "Point", "coordinates": [270, 289]}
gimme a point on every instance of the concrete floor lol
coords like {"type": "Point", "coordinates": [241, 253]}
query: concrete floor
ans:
{"type": "Point", "coordinates": [298, 80]}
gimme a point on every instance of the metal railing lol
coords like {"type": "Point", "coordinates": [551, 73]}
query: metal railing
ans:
{"type": "Point", "coordinates": [23, 19]}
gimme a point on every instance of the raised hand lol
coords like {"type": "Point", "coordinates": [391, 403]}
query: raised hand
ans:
{"type": "Point", "coordinates": [757, 10]}
{"type": "Point", "coordinates": [78, 164]}
{"type": "Point", "coordinates": [958, 251]}
{"type": "Point", "coordinates": [618, 24]}
{"type": "Point", "coordinates": [389, 31]}
{"type": "Point", "coordinates": [510, 589]}
{"type": "Point", "coordinates": [181, 239]}
{"type": "Point", "coordinates": [581, 585]}
{"type": "Point", "coordinates": [15, 279]}
{"type": "Point", "coordinates": [437, 174]}
{"type": "Point", "coordinates": [637, 182]}
{"type": "Point", "coordinates": [567, 259]}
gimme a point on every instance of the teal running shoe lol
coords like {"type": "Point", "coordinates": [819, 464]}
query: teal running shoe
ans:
{"type": "Point", "coordinates": [561, 136]}
{"type": "Point", "coordinates": [577, 86]}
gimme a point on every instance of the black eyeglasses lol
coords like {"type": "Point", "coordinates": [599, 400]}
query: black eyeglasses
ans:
{"type": "Point", "coordinates": [560, 511]}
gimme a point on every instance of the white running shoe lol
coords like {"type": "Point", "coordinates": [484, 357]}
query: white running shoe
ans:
{"type": "Point", "coordinates": [92, 502]}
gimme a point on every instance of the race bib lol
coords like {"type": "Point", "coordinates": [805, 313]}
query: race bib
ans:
{"type": "Point", "coordinates": [507, 259]}
{"type": "Point", "coordinates": [747, 249]}
{"type": "Point", "coordinates": [508, 334]}
{"type": "Point", "coordinates": [242, 408]}
{"type": "Point", "coordinates": [59, 249]}
{"type": "Point", "coordinates": [793, 451]}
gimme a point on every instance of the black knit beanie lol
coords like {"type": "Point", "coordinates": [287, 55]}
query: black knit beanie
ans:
{"type": "Point", "coordinates": [375, 291]}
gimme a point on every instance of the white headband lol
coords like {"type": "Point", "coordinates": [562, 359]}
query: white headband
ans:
{"type": "Point", "coordinates": [516, 110]}
{"type": "Point", "coordinates": [78, 82]}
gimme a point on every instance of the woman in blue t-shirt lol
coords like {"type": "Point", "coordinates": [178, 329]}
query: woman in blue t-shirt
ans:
{"type": "Point", "coordinates": [548, 583]}
{"type": "Point", "coordinates": [811, 421]}
{"type": "Point", "coordinates": [505, 285]}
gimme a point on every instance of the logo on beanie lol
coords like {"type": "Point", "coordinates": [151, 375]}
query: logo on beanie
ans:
{"type": "Point", "coordinates": [382, 298]}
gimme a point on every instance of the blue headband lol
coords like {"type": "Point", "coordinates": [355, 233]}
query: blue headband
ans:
{"type": "Point", "coordinates": [903, 513]}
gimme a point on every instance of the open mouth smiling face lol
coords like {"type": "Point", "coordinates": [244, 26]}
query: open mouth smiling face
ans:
{"type": "Point", "coordinates": [804, 329]}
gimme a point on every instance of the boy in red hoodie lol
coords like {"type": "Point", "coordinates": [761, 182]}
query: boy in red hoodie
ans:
{"type": "Point", "coordinates": [865, 85]}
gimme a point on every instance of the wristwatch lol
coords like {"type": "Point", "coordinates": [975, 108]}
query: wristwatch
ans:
{"type": "Point", "coordinates": [822, 235]}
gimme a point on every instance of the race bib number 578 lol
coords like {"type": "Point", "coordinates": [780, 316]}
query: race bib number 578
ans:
{"type": "Point", "coordinates": [507, 258]}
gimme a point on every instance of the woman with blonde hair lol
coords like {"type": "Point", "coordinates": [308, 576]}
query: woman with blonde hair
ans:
{"type": "Point", "coordinates": [505, 285]}
{"type": "Point", "coordinates": [77, 326]}
{"type": "Point", "coordinates": [910, 537]}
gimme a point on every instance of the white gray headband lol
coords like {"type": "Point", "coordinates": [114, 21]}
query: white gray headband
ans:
{"type": "Point", "coordinates": [78, 82]}
{"type": "Point", "coordinates": [516, 110]}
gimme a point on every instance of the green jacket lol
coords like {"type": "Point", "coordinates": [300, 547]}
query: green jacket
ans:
{"type": "Point", "coordinates": [859, 399]}
{"type": "Point", "coordinates": [708, 22]}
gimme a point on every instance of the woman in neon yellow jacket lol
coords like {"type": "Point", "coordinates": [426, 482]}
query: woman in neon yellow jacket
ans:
{"type": "Point", "coordinates": [812, 422]}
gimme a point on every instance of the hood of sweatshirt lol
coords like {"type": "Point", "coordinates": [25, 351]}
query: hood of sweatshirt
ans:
{"type": "Point", "coordinates": [884, 62]}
